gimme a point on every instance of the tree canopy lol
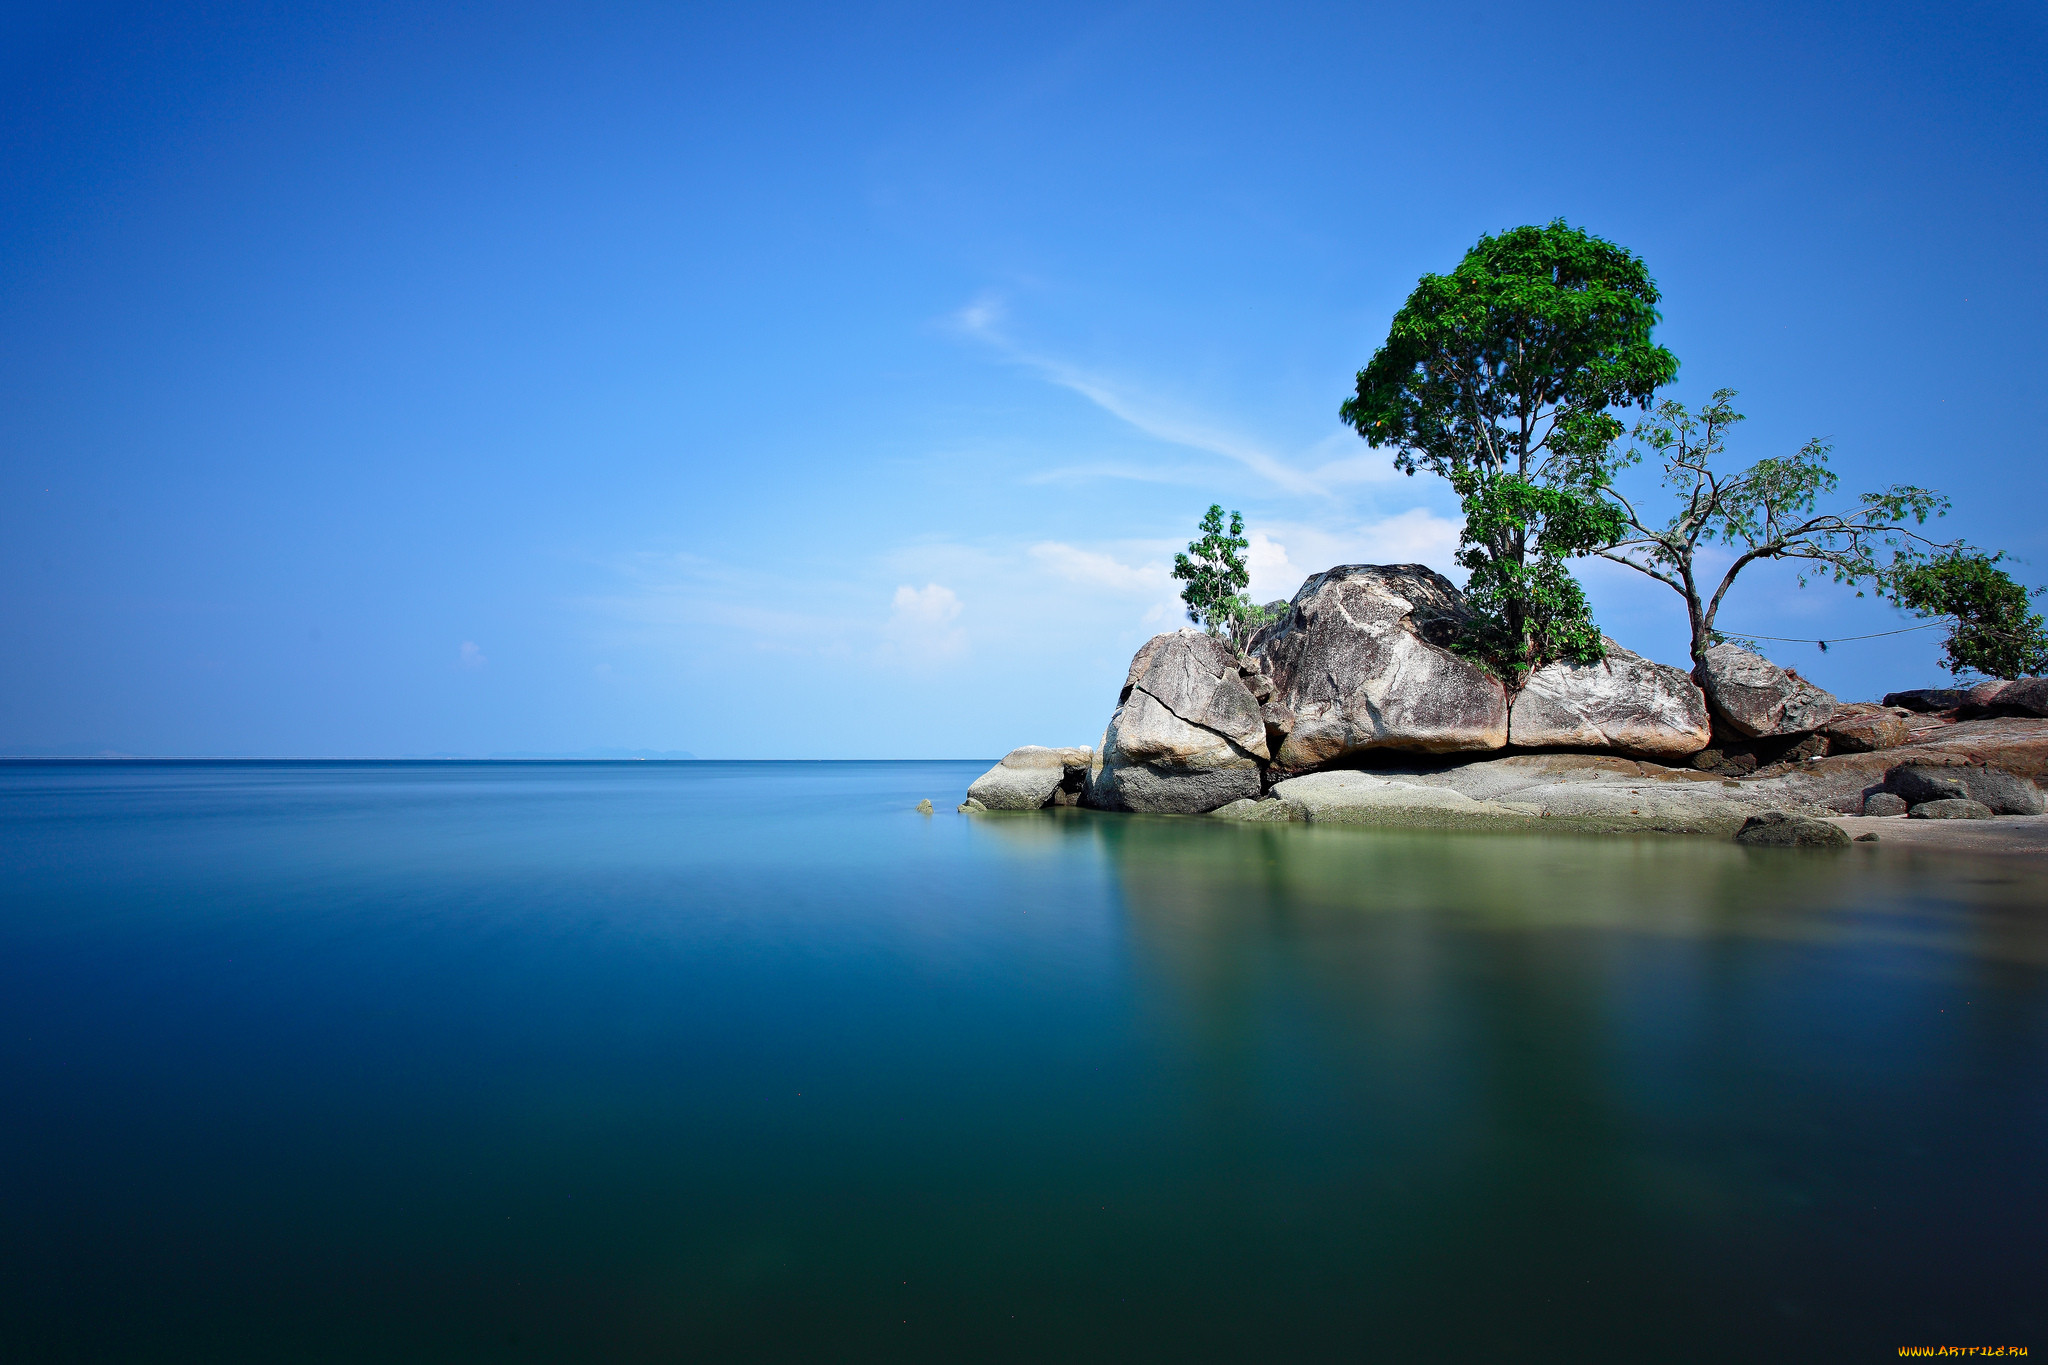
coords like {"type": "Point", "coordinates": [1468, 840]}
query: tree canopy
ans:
{"type": "Point", "coordinates": [1515, 356]}
{"type": "Point", "coordinates": [1500, 377]}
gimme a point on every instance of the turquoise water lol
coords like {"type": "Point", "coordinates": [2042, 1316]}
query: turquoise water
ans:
{"type": "Point", "coordinates": [710, 1061]}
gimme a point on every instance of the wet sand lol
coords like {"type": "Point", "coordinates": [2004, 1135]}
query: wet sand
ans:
{"type": "Point", "coordinates": [2021, 835]}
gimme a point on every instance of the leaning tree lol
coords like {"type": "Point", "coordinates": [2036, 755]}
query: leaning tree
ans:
{"type": "Point", "coordinates": [1500, 377]}
{"type": "Point", "coordinates": [1765, 512]}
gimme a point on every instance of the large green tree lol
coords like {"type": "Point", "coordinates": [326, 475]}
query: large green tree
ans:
{"type": "Point", "coordinates": [1501, 378]}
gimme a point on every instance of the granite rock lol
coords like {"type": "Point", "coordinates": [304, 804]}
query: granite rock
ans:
{"type": "Point", "coordinates": [1755, 697]}
{"type": "Point", "coordinates": [1625, 704]}
{"type": "Point", "coordinates": [1361, 661]}
{"type": "Point", "coordinates": [1032, 777]}
{"type": "Point", "coordinates": [1186, 736]}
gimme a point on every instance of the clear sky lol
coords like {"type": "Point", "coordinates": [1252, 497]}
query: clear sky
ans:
{"type": "Point", "coordinates": [836, 381]}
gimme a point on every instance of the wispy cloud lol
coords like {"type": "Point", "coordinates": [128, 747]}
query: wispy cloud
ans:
{"type": "Point", "coordinates": [470, 656]}
{"type": "Point", "coordinates": [984, 321]}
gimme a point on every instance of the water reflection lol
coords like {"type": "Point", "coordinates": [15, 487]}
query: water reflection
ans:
{"type": "Point", "coordinates": [1652, 1079]}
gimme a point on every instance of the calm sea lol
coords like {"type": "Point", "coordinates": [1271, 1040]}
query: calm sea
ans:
{"type": "Point", "coordinates": [750, 1061]}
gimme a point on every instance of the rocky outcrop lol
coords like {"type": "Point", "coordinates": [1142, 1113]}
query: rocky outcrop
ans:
{"type": "Point", "coordinates": [1754, 697]}
{"type": "Point", "coordinates": [1778, 829]}
{"type": "Point", "coordinates": [1033, 777]}
{"type": "Point", "coordinates": [1625, 704]}
{"type": "Point", "coordinates": [1187, 735]}
{"type": "Point", "coordinates": [1840, 782]}
{"type": "Point", "coordinates": [1360, 663]}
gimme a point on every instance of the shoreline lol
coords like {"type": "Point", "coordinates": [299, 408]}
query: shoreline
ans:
{"type": "Point", "coordinates": [2022, 836]}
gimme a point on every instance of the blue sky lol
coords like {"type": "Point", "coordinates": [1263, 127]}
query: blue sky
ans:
{"type": "Point", "coordinates": [837, 381]}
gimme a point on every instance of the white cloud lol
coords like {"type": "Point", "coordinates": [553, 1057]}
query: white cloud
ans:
{"type": "Point", "coordinates": [471, 656]}
{"type": "Point", "coordinates": [931, 605]}
{"type": "Point", "coordinates": [921, 621]}
{"type": "Point", "coordinates": [1094, 569]}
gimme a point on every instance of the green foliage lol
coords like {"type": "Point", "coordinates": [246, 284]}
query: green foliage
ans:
{"type": "Point", "coordinates": [1216, 577]}
{"type": "Point", "coordinates": [1990, 629]}
{"type": "Point", "coordinates": [1515, 356]}
{"type": "Point", "coordinates": [1499, 377]}
{"type": "Point", "coordinates": [1555, 524]}
{"type": "Point", "coordinates": [1764, 512]}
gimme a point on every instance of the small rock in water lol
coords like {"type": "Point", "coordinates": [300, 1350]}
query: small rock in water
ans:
{"type": "Point", "coordinates": [1776, 829]}
{"type": "Point", "coordinates": [924, 807]}
{"type": "Point", "coordinates": [1951, 809]}
{"type": "Point", "coordinates": [1866, 838]}
{"type": "Point", "coordinates": [970, 806]}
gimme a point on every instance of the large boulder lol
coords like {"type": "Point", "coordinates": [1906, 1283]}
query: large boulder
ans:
{"type": "Point", "coordinates": [1033, 777]}
{"type": "Point", "coordinates": [1755, 697]}
{"type": "Point", "coordinates": [1187, 735]}
{"type": "Point", "coordinates": [1625, 703]}
{"type": "Point", "coordinates": [1360, 662]}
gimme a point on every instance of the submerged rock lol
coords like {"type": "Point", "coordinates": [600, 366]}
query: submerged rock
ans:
{"type": "Point", "coordinates": [1187, 735]}
{"type": "Point", "coordinates": [1755, 697]}
{"type": "Point", "coordinates": [1778, 829]}
{"type": "Point", "coordinates": [1625, 703]}
{"type": "Point", "coordinates": [1272, 810]}
{"type": "Point", "coordinates": [1361, 663]}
